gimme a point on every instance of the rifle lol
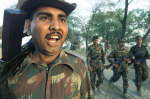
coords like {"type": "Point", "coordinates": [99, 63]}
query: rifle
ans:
{"type": "Point", "coordinates": [121, 60]}
{"type": "Point", "coordinates": [12, 33]}
{"type": "Point", "coordinates": [120, 57]}
{"type": "Point", "coordinates": [13, 53]}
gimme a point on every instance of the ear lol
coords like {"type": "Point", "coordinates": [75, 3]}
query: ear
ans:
{"type": "Point", "coordinates": [28, 26]}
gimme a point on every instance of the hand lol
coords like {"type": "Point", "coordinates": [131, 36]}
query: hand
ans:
{"type": "Point", "coordinates": [116, 65]}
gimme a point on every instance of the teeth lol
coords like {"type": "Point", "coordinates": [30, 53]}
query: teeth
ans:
{"type": "Point", "coordinates": [54, 37]}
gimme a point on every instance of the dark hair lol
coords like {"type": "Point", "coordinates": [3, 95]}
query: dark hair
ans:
{"type": "Point", "coordinates": [137, 37]}
{"type": "Point", "coordinates": [94, 38]}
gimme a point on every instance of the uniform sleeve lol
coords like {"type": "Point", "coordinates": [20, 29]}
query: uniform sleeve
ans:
{"type": "Point", "coordinates": [147, 54]}
{"type": "Point", "coordinates": [88, 55]}
{"type": "Point", "coordinates": [131, 54]}
{"type": "Point", "coordinates": [86, 90]}
{"type": "Point", "coordinates": [5, 92]}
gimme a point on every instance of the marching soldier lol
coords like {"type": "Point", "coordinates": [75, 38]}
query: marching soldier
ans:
{"type": "Point", "coordinates": [96, 60]}
{"type": "Point", "coordinates": [139, 54]}
{"type": "Point", "coordinates": [119, 59]}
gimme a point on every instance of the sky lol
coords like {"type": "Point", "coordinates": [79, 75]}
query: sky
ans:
{"type": "Point", "coordinates": [86, 5]}
{"type": "Point", "coordinates": [83, 6]}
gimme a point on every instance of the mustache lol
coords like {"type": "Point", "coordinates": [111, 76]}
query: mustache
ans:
{"type": "Point", "coordinates": [52, 33]}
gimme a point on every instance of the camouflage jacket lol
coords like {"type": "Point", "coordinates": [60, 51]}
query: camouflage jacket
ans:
{"type": "Point", "coordinates": [118, 57]}
{"type": "Point", "coordinates": [95, 56]}
{"type": "Point", "coordinates": [65, 78]}
{"type": "Point", "coordinates": [139, 53]}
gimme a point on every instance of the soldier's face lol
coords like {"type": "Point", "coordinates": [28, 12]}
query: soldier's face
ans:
{"type": "Point", "coordinates": [49, 29]}
{"type": "Point", "coordinates": [95, 41]}
{"type": "Point", "coordinates": [139, 41]}
{"type": "Point", "coordinates": [122, 44]}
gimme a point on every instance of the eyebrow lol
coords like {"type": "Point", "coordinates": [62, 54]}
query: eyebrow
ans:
{"type": "Point", "coordinates": [62, 15]}
{"type": "Point", "coordinates": [43, 13]}
{"type": "Point", "coordinates": [49, 14]}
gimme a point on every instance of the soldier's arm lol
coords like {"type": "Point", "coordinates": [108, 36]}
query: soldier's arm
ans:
{"type": "Point", "coordinates": [147, 54]}
{"type": "Point", "coordinates": [88, 55]}
{"type": "Point", "coordinates": [3, 83]}
{"type": "Point", "coordinates": [86, 90]}
{"type": "Point", "coordinates": [89, 58]}
{"type": "Point", "coordinates": [131, 54]}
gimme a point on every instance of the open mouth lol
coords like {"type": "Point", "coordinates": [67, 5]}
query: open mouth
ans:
{"type": "Point", "coordinates": [53, 37]}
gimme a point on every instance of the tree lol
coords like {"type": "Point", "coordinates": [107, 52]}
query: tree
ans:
{"type": "Point", "coordinates": [74, 33]}
{"type": "Point", "coordinates": [105, 24]}
{"type": "Point", "coordinates": [148, 30]}
{"type": "Point", "coordinates": [123, 21]}
{"type": "Point", "coordinates": [108, 24]}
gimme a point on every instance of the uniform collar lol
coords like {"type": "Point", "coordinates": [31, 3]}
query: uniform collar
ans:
{"type": "Point", "coordinates": [95, 45]}
{"type": "Point", "coordinates": [122, 48]}
{"type": "Point", "coordinates": [62, 59]}
{"type": "Point", "coordinates": [138, 46]}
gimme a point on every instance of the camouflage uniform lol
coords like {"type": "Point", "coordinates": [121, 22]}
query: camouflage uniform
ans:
{"type": "Point", "coordinates": [65, 78]}
{"type": "Point", "coordinates": [140, 54]}
{"type": "Point", "coordinates": [119, 57]}
{"type": "Point", "coordinates": [96, 60]}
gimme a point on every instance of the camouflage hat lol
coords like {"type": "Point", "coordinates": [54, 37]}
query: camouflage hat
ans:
{"type": "Point", "coordinates": [95, 37]}
{"type": "Point", "coordinates": [31, 5]}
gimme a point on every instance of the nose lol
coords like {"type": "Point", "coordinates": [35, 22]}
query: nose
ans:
{"type": "Point", "coordinates": [54, 25]}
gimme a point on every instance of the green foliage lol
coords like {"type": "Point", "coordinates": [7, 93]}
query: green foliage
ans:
{"type": "Point", "coordinates": [74, 32]}
{"type": "Point", "coordinates": [106, 23]}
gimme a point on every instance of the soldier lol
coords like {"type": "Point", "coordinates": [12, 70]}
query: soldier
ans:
{"type": "Point", "coordinates": [119, 60]}
{"type": "Point", "coordinates": [96, 61]}
{"type": "Point", "coordinates": [139, 54]}
{"type": "Point", "coordinates": [43, 70]}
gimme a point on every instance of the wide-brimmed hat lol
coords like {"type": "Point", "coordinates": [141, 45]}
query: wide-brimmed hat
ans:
{"type": "Point", "coordinates": [31, 5]}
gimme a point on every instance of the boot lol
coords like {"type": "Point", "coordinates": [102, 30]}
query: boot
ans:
{"type": "Point", "coordinates": [126, 96]}
{"type": "Point", "coordinates": [139, 92]}
{"type": "Point", "coordinates": [94, 91]}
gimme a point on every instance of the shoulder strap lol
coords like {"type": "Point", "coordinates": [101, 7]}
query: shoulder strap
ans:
{"type": "Point", "coordinates": [10, 67]}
